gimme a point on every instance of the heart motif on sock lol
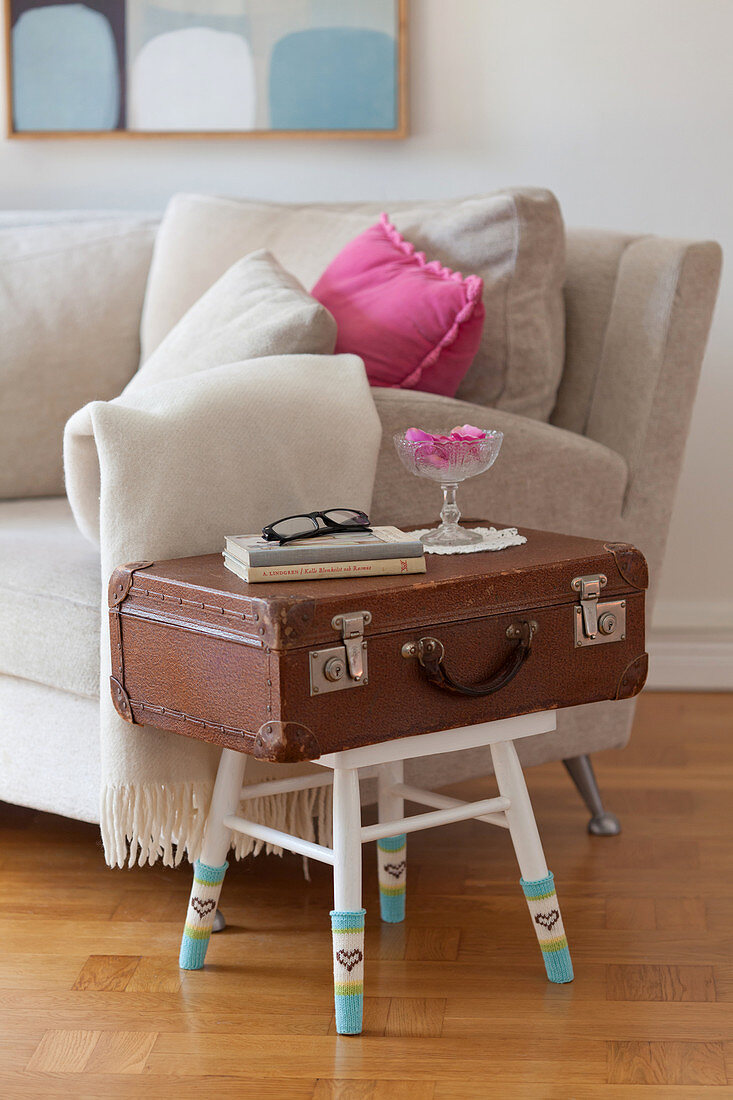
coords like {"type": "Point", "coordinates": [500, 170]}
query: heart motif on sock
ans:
{"type": "Point", "coordinates": [547, 920]}
{"type": "Point", "coordinates": [349, 959]}
{"type": "Point", "coordinates": [395, 869]}
{"type": "Point", "coordinates": [203, 908]}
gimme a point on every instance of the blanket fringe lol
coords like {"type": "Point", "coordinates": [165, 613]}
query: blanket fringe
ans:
{"type": "Point", "coordinates": [306, 814]}
{"type": "Point", "coordinates": [142, 824]}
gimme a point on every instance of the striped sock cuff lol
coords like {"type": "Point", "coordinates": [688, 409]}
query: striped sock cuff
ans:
{"type": "Point", "coordinates": [392, 843]}
{"type": "Point", "coordinates": [545, 912]}
{"type": "Point", "coordinates": [344, 920]}
{"type": "Point", "coordinates": [392, 867]}
{"type": "Point", "coordinates": [201, 912]}
{"type": "Point", "coordinates": [539, 887]}
{"type": "Point", "coordinates": [208, 876]}
{"type": "Point", "coordinates": [348, 969]}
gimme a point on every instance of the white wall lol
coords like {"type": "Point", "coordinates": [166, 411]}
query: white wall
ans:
{"type": "Point", "coordinates": [623, 109]}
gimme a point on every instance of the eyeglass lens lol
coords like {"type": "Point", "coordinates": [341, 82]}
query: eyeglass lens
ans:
{"type": "Point", "coordinates": [296, 525]}
{"type": "Point", "coordinates": [345, 515]}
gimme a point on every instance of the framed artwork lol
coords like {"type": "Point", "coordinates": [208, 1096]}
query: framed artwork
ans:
{"type": "Point", "coordinates": [206, 68]}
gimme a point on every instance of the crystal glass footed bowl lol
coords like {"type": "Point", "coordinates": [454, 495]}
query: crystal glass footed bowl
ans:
{"type": "Point", "coordinates": [449, 461]}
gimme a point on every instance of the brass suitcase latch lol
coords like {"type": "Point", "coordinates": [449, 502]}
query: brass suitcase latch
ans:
{"type": "Point", "coordinates": [342, 666]}
{"type": "Point", "coordinates": [596, 622]}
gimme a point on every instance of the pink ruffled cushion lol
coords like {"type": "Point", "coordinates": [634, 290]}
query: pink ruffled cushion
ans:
{"type": "Point", "coordinates": [416, 324]}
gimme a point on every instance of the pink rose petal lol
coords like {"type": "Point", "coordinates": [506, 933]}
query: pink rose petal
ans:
{"type": "Point", "coordinates": [468, 431]}
{"type": "Point", "coordinates": [435, 449]}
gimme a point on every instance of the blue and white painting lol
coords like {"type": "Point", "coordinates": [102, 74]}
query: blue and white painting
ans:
{"type": "Point", "coordinates": [202, 66]}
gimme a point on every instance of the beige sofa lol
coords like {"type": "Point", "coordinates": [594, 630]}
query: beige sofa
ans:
{"type": "Point", "coordinates": [638, 310]}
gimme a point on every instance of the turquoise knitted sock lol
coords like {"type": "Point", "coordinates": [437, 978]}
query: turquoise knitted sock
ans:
{"type": "Point", "coordinates": [348, 969]}
{"type": "Point", "coordinates": [200, 916]}
{"type": "Point", "coordinates": [545, 912]}
{"type": "Point", "coordinates": [392, 862]}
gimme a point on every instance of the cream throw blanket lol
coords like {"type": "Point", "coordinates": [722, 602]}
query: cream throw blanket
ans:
{"type": "Point", "coordinates": [171, 468]}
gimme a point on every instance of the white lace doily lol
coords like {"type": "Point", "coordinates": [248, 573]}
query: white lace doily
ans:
{"type": "Point", "coordinates": [494, 539]}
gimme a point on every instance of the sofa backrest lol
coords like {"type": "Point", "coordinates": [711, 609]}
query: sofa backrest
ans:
{"type": "Point", "coordinates": [627, 300]}
{"type": "Point", "coordinates": [71, 294]}
{"type": "Point", "coordinates": [513, 239]}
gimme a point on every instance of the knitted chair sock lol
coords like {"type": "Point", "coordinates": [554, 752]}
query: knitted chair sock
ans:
{"type": "Point", "coordinates": [392, 864]}
{"type": "Point", "coordinates": [545, 912]}
{"type": "Point", "coordinates": [348, 969]}
{"type": "Point", "coordinates": [201, 912]}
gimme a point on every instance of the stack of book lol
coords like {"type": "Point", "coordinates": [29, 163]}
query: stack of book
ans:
{"type": "Point", "coordinates": [383, 550]}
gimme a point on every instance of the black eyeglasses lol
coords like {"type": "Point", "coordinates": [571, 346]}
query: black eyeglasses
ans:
{"type": "Point", "coordinates": [312, 524]}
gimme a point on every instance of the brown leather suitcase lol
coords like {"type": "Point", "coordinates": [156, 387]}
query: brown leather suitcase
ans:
{"type": "Point", "coordinates": [289, 671]}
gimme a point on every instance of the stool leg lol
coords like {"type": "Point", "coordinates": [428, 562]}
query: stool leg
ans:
{"type": "Point", "coordinates": [391, 850]}
{"type": "Point", "coordinates": [209, 870]}
{"type": "Point", "coordinates": [347, 916]}
{"type": "Point", "coordinates": [537, 882]}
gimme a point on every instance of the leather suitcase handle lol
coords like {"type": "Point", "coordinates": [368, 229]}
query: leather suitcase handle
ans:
{"type": "Point", "coordinates": [431, 655]}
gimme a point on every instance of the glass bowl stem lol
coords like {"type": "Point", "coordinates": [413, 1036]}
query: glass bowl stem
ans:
{"type": "Point", "coordinates": [450, 512]}
{"type": "Point", "coordinates": [449, 534]}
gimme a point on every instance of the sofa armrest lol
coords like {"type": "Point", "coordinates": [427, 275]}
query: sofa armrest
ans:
{"type": "Point", "coordinates": [650, 364]}
{"type": "Point", "coordinates": [544, 476]}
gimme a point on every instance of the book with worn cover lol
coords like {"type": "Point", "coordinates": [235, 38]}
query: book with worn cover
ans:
{"type": "Point", "coordinates": [342, 546]}
{"type": "Point", "coordinates": [314, 571]}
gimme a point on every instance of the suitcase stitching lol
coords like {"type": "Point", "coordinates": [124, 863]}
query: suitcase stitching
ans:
{"type": "Point", "coordinates": [134, 590]}
{"type": "Point", "coordinates": [189, 718]}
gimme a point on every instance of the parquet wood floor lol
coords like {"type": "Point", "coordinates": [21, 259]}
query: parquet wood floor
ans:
{"type": "Point", "coordinates": [92, 1003]}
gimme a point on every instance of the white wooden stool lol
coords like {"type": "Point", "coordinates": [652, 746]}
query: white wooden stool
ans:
{"type": "Point", "coordinates": [511, 810]}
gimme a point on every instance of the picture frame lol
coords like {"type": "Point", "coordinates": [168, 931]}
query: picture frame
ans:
{"type": "Point", "coordinates": [137, 69]}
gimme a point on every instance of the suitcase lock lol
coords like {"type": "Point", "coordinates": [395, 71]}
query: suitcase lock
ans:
{"type": "Point", "coordinates": [342, 666]}
{"type": "Point", "coordinates": [596, 623]}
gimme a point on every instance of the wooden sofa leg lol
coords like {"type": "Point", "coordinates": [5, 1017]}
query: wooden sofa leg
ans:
{"type": "Point", "coordinates": [581, 772]}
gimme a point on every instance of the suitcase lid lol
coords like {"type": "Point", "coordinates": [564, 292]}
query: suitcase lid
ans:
{"type": "Point", "coordinates": [200, 593]}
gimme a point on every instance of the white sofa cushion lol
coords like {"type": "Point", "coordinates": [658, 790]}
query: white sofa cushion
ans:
{"type": "Point", "coordinates": [255, 311]}
{"type": "Point", "coordinates": [514, 240]}
{"type": "Point", "coordinates": [50, 596]}
{"type": "Point", "coordinates": [71, 294]}
{"type": "Point", "coordinates": [49, 748]}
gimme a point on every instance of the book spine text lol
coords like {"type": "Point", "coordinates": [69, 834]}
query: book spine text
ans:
{"type": "Point", "coordinates": [334, 570]}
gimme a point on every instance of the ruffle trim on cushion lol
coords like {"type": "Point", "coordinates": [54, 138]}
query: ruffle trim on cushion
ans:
{"type": "Point", "coordinates": [473, 285]}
